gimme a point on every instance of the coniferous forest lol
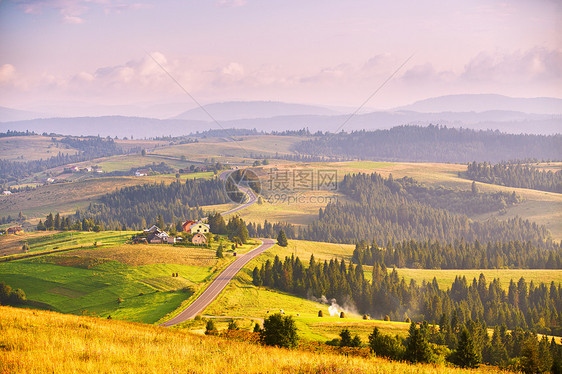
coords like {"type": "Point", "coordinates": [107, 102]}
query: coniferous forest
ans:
{"type": "Point", "coordinates": [524, 305]}
{"type": "Point", "coordinates": [387, 209]}
{"type": "Point", "coordinates": [137, 206]}
{"type": "Point", "coordinates": [515, 175]}
{"type": "Point", "coordinates": [433, 144]}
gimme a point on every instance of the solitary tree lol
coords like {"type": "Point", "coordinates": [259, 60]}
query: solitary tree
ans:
{"type": "Point", "coordinates": [219, 251]}
{"type": "Point", "coordinates": [280, 331]}
{"type": "Point", "coordinates": [282, 239]}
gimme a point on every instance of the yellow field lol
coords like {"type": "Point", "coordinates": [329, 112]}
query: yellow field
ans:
{"type": "Point", "coordinates": [148, 254]}
{"type": "Point", "coordinates": [40, 342]}
{"type": "Point", "coordinates": [446, 277]}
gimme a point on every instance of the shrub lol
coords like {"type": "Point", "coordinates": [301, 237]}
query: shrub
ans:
{"type": "Point", "coordinates": [210, 328]}
{"type": "Point", "coordinates": [280, 331]}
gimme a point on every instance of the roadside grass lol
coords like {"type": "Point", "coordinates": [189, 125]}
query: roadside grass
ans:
{"type": "Point", "coordinates": [242, 299]}
{"type": "Point", "coordinates": [446, 277]}
{"type": "Point", "coordinates": [30, 148]}
{"type": "Point", "coordinates": [32, 342]}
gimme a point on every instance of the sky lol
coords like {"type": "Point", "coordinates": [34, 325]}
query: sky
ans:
{"type": "Point", "coordinates": [57, 54]}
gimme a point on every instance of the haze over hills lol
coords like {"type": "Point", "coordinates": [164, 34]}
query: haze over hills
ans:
{"type": "Point", "coordinates": [486, 102]}
{"type": "Point", "coordinates": [9, 114]}
{"type": "Point", "coordinates": [236, 110]}
{"type": "Point", "coordinates": [511, 115]}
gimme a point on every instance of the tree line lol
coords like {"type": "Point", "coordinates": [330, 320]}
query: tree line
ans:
{"type": "Point", "coordinates": [536, 307]}
{"type": "Point", "coordinates": [515, 175]}
{"type": "Point", "coordinates": [469, 344]}
{"type": "Point", "coordinates": [459, 254]}
{"type": "Point", "coordinates": [433, 144]}
{"type": "Point", "coordinates": [10, 133]}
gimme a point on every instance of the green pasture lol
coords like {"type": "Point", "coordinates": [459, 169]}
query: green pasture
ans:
{"type": "Point", "coordinates": [141, 294]}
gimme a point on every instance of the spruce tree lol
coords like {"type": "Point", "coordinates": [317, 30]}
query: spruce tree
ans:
{"type": "Point", "coordinates": [466, 354]}
{"type": "Point", "coordinates": [282, 239]}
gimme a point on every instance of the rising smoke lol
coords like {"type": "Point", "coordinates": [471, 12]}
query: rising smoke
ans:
{"type": "Point", "coordinates": [334, 308]}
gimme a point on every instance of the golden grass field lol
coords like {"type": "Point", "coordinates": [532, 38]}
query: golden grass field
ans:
{"type": "Point", "coordinates": [446, 277]}
{"type": "Point", "coordinates": [46, 342]}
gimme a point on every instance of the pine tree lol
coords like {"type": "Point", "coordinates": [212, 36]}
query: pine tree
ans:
{"type": "Point", "coordinates": [466, 354]}
{"type": "Point", "coordinates": [417, 347]}
{"type": "Point", "coordinates": [282, 239]}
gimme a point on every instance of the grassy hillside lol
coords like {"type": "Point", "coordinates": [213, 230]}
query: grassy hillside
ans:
{"type": "Point", "coordinates": [29, 148]}
{"type": "Point", "coordinates": [39, 241]}
{"type": "Point", "coordinates": [38, 342]}
{"type": "Point", "coordinates": [129, 282]}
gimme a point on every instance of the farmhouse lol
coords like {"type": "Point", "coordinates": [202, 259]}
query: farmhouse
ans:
{"type": "Point", "coordinates": [159, 237]}
{"type": "Point", "coordinates": [187, 225]}
{"type": "Point", "coordinates": [14, 230]}
{"type": "Point", "coordinates": [199, 227]}
{"type": "Point", "coordinates": [199, 239]}
{"type": "Point", "coordinates": [153, 229]}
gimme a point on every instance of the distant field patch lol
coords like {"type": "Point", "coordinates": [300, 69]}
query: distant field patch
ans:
{"type": "Point", "coordinates": [72, 261]}
{"type": "Point", "coordinates": [30, 148]}
{"type": "Point", "coordinates": [63, 291]}
{"type": "Point", "coordinates": [148, 254]}
{"type": "Point", "coordinates": [446, 277]}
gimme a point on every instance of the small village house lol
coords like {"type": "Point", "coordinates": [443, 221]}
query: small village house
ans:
{"type": "Point", "coordinates": [199, 239]}
{"type": "Point", "coordinates": [186, 226]}
{"type": "Point", "coordinates": [14, 230]}
{"type": "Point", "coordinates": [199, 227]}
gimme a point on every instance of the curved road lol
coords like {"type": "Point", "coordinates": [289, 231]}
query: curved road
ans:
{"type": "Point", "coordinates": [220, 282]}
{"type": "Point", "coordinates": [215, 288]}
{"type": "Point", "coordinates": [252, 198]}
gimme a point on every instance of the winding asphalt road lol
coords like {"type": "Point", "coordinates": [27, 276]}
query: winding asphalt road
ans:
{"type": "Point", "coordinates": [217, 285]}
{"type": "Point", "coordinates": [252, 198]}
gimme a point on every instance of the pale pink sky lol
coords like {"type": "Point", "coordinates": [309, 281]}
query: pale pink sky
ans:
{"type": "Point", "coordinates": [94, 52]}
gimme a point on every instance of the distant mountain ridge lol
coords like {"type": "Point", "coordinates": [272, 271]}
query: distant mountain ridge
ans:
{"type": "Point", "coordinates": [9, 114]}
{"type": "Point", "coordinates": [486, 102]}
{"type": "Point", "coordinates": [235, 110]}
{"type": "Point", "coordinates": [507, 116]}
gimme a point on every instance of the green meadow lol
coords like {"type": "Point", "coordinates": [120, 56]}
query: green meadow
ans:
{"type": "Point", "coordinates": [81, 285]}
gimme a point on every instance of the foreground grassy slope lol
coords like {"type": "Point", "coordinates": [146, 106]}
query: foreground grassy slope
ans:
{"type": "Point", "coordinates": [39, 342]}
{"type": "Point", "coordinates": [128, 282]}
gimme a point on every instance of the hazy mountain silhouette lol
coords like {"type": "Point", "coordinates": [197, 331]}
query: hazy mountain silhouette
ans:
{"type": "Point", "coordinates": [235, 110]}
{"type": "Point", "coordinates": [486, 102]}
